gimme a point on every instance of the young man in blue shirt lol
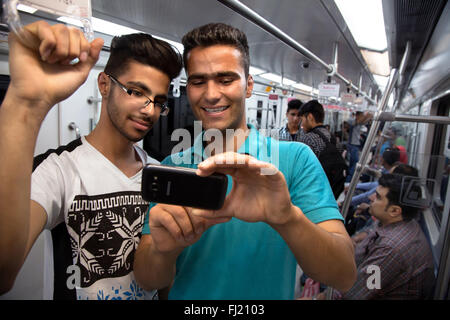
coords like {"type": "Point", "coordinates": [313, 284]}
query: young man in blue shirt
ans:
{"type": "Point", "coordinates": [279, 209]}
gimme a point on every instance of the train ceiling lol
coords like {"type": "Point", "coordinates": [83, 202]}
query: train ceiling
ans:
{"type": "Point", "coordinates": [315, 24]}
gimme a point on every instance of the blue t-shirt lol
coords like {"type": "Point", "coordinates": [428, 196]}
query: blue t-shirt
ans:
{"type": "Point", "coordinates": [242, 260]}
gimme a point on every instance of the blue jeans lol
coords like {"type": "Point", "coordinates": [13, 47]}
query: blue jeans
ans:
{"type": "Point", "coordinates": [353, 152]}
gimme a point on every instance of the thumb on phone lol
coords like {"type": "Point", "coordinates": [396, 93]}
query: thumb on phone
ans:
{"type": "Point", "coordinates": [208, 216]}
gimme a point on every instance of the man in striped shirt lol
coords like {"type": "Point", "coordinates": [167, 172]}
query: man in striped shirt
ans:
{"type": "Point", "coordinates": [292, 130]}
{"type": "Point", "coordinates": [310, 115]}
{"type": "Point", "coordinates": [394, 261]}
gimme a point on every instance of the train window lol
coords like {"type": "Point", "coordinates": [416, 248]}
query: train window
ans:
{"type": "Point", "coordinates": [414, 141]}
{"type": "Point", "coordinates": [259, 113]}
{"type": "Point", "coordinates": [439, 167]}
{"type": "Point", "coordinates": [273, 123]}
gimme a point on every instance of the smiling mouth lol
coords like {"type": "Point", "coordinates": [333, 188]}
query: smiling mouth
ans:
{"type": "Point", "coordinates": [215, 110]}
{"type": "Point", "coordinates": [143, 123]}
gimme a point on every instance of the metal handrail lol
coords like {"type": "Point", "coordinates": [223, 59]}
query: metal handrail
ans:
{"type": "Point", "coordinates": [272, 29]}
{"type": "Point", "coordinates": [373, 130]}
{"type": "Point", "coordinates": [372, 135]}
{"type": "Point", "coordinates": [73, 126]}
{"type": "Point", "coordinates": [275, 31]}
{"type": "Point", "coordinates": [390, 116]}
{"type": "Point", "coordinates": [370, 138]}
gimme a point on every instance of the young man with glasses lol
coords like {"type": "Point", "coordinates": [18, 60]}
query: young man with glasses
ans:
{"type": "Point", "coordinates": [87, 192]}
{"type": "Point", "coordinates": [275, 214]}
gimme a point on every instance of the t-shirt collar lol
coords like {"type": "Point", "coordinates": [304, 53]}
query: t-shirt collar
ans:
{"type": "Point", "coordinates": [250, 145]}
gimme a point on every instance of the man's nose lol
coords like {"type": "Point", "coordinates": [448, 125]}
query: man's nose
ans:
{"type": "Point", "coordinates": [213, 92]}
{"type": "Point", "coordinates": [149, 109]}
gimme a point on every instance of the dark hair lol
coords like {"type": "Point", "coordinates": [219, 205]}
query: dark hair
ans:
{"type": "Point", "coordinates": [294, 104]}
{"type": "Point", "coordinates": [145, 49]}
{"type": "Point", "coordinates": [391, 156]}
{"type": "Point", "coordinates": [406, 170]}
{"type": "Point", "coordinates": [217, 33]}
{"type": "Point", "coordinates": [401, 186]}
{"type": "Point", "coordinates": [315, 108]}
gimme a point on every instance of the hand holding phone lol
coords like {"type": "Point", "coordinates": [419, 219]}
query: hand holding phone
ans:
{"type": "Point", "coordinates": [182, 186]}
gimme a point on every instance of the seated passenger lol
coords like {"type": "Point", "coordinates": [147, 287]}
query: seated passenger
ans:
{"type": "Point", "coordinates": [390, 158]}
{"type": "Point", "coordinates": [399, 142]}
{"type": "Point", "coordinates": [396, 247]}
{"type": "Point", "coordinates": [357, 226]}
{"type": "Point", "coordinates": [403, 154]}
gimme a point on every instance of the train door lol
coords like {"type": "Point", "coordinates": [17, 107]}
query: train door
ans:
{"type": "Point", "coordinates": [437, 186]}
{"type": "Point", "coordinates": [256, 106]}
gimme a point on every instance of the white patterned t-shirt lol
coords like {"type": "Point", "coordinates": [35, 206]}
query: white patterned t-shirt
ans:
{"type": "Point", "coordinates": [96, 214]}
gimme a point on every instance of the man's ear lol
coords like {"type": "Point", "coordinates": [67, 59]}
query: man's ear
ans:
{"type": "Point", "coordinates": [395, 211]}
{"type": "Point", "coordinates": [250, 84]}
{"type": "Point", "coordinates": [104, 84]}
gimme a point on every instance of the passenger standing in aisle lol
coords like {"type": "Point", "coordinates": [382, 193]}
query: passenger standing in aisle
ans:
{"type": "Point", "coordinates": [319, 139]}
{"type": "Point", "coordinates": [88, 192]}
{"type": "Point", "coordinates": [292, 131]}
{"type": "Point", "coordinates": [250, 247]}
{"type": "Point", "coordinates": [354, 142]}
{"type": "Point", "coordinates": [312, 115]}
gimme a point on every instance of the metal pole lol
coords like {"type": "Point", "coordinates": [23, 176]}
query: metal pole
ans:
{"type": "Point", "coordinates": [360, 83]}
{"type": "Point", "coordinates": [370, 138]}
{"type": "Point", "coordinates": [390, 116]}
{"type": "Point", "coordinates": [373, 130]}
{"type": "Point", "coordinates": [251, 15]}
{"type": "Point", "coordinates": [335, 56]}
{"type": "Point", "coordinates": [272, 29]}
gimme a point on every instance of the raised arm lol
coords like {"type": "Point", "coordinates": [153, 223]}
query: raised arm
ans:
{"type": "Point", "coordinates": [41, 76]}
{"type": "Point", "coordinates": [365, 117]}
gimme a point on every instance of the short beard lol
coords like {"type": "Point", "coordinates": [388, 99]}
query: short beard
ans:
{"type": "Point", "coordinates": [113, 114]}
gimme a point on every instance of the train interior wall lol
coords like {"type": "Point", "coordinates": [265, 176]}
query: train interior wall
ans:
{"type": "Point", "coordinates": [428, 147]}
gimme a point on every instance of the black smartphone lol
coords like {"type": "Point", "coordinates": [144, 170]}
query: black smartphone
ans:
{"type": "Point", "coordinates": [182, 186]}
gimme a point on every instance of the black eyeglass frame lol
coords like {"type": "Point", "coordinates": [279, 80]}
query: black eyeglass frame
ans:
{"type": "Point", "coordinates": [164, 109]}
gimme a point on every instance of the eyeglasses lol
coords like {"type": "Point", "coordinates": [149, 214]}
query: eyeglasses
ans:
{"type": "Point", "coordinates": [138, 95]}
